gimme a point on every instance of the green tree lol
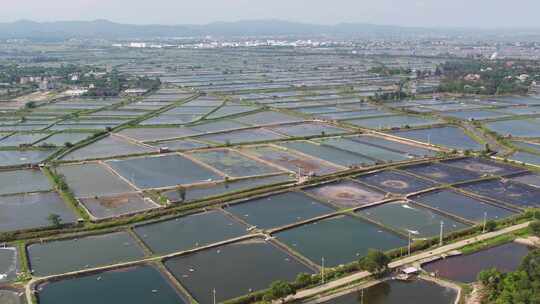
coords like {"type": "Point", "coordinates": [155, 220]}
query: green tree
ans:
{"type": "Point", "coordinates": [491, 225]}
{"type": "Point", "coordinates": [535, 228]}
{"type": "Point", "coordinates": [280, 289]}
{"type": "Point", "coordinates": [375, 262]}
{"type": "Point", "coordinates": [303, 279]}
{"type": "Point", "coordinates": [55, 220]}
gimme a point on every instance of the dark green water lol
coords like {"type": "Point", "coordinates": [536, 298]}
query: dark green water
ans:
{"type": "Point", "coordinates": [75, 254]}
{"type": "Point", "coordinates": [399, 292]}
{"type": "Point", "coordinates": [278, 210]}
{"type": "Point", "coordinates": [189, 232]}
{"type": "Point", "coordinates": [421, 222]}
{"type": "Point", "coordinates": [339, 240]}
{"type": "Point", "coordinates": [233, 270]}
{"type": "Point", "coordinates": [135, 285]}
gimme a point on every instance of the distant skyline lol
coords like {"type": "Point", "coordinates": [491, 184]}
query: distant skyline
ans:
{"type": "Point", "coordinates": [424, 13]}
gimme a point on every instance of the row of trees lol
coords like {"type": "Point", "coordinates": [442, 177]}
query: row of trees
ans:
{"type": "Point", "coordinates": [375, 262]}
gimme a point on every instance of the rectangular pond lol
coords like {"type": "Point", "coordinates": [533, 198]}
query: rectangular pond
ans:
{"type": "Point", "coordinates": [405, 217]}
{"type": "Point", "coordinates": [117, 205]}
{"type": "Point", "coordinates": [241, 136]}
{"type": "Point", "coordinates": [222, 188]}
{"type": "Point", "coordinates": [466, 268]}
{"type": "Point", "coordinates": [23, 181]}
{"type": "Point", "coordinates": [29, 211]}
{"type": "Point", "coordinates": [57, 257]}
{"type": "Point", "coordinates": [134, 285]}
{"type": "Point", "coordinates": [248, 266]}
{"type": "Point", "coordinates": [346, 194]}
{"type": "Point", "coordinates": [188, 232]}
{"type": "Point", "coordinates": [328, 153]}
{"type": "Point", "coordinates": [9, 264]}
{"type": "Point", "coordinates": [370, 151]}
{"type": "Point", "coordinates": [279, 210]}
{"type": "Point", "coordinates": [461, 205]}
{"type": "Point", "coordinates": [509, 192]}
{"type": "Point", "coordinates": [442, 173]}
{"type": "Point", "coordinates": [400, 292]}
{"type": "Point", "coordinates": [162, 171]}
{"type": "Point", "coordinates": [93, 179]}
{"type": "Point", "coordinates": [395, 182]}
{"type": "Point", "coordinates": [340, 240]}
{"type": "Point", "coordinates": [484, 166]}
{"type": "Point", "coordinates": [451, 137]}
{"type": "Point", "coordinates": [391, 122]}
{"type": "Point", "coordinates": [293, 162]}
{"type": "Point", "coordinates": [107, 147]}
{"type": "Point", "coordinates": [233, 163]}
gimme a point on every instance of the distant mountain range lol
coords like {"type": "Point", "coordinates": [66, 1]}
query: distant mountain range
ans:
{"type": "Point", "coordinates": [110, 30]}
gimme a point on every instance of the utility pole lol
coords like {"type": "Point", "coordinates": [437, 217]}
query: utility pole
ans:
{"type": "Point", "coordinates": [441, 236]}
{"type": "Point", "coordinates": [485, 222]}
{"type": "Point", "coordinates": [409, 246]}
{"type": "Point", "coordinates": [214, 295]}
{"type": "Point", "coordinates": [322, 270]}
{"type": "Point", "coordinates": [362, 297]}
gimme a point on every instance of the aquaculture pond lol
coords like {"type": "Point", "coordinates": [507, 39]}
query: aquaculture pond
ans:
{"type": "Point", "coordinates": [162, 171]}
{"type": "Point", "coordinates": [390, 122]}
{"type": "Point", "coordinates": [484, 166]}
{"type": "Point", "coordinates": [308, 129]}
{"type": "Point", "coordinates": [400, 292]}
{"type": "Point", "coordinates": [117, 205]}
{"type": "Point", "coordinates": [465, 268]}
{"type": "Point", "coordinates": [60, 139]}
{"type": "Point", "coordinates": [93, 179]}
{"type": "Point", "coordinates": [134, 285]}
{"type": "Point", "coordinates": [9, 264]}
{"type": "Point", "coordinates": [23, 157]}
{"type": "Point", "coordinates": [153, 134]}
{"type": "Point", "coordinates": [517, 194]}
{"type": "Point", "coordinates": [109, 146]}
{"type": "Point", "coordinates": [516, 128]}
{"type": "Point", "coordinates": [241, 136]}
{"type": "Point", "coordinates": [233, 163]}
{"type": "Point", "coordinates": [188, 232]}
{"type": "Point", "coordinates": [18, 139]}
{"type": "Point", "coordinates": [293, 162]}
{"type": "Point", "coordinates": [346, 193]}
{"type": "Point", "coordinates": [461, 205]}
{"type": "Point", "coordinates": [267, 118]}
{"type": "Point", "coordinates": [340, 240]}
{"type": "Point", "coordinates": [180, 144]}
{"type": "Point", "coordinates": [530, 179]}
{"type": "Point", "coordinates": [405, 217]}
{"type": "Point", "coordinates": [247, 266]}
{"type": "Point", "coordinates": [222, 188]}
{"type": "Point", "coordinates": [328, 153]}
{"type": "Point", "coordinates": [279, 210]}
{"type": "Point", "coordinates": [367, 150]}
{"type": "Point", "coordinates": [23, 181]}
{"type": "Point", "coordinates": [442, 173]}
{"type": "Point", "coordinates": [451, 137]}
{"type": "Point", "coordinates": [57, 257]}
{"type": "Point", "coordinates": [527, 158]}
{"type": "Point", "coordinates": [27, 211]}
{"type": "Point", "coordinates": [391, 145]}
{"type": "Point", "coordinates": [396, 182]}
{"type": "Point", "coordinates": [8, 296]}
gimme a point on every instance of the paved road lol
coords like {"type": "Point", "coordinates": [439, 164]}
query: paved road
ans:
{"type": "Point", "coordinates": [402, 262]}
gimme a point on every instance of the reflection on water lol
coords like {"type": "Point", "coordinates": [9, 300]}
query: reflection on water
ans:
{"type": "Point", "coordinates": [399, 292]}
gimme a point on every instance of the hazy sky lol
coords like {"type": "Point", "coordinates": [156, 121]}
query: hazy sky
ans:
{"type": "Point", "coordinates": [468, 13]}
